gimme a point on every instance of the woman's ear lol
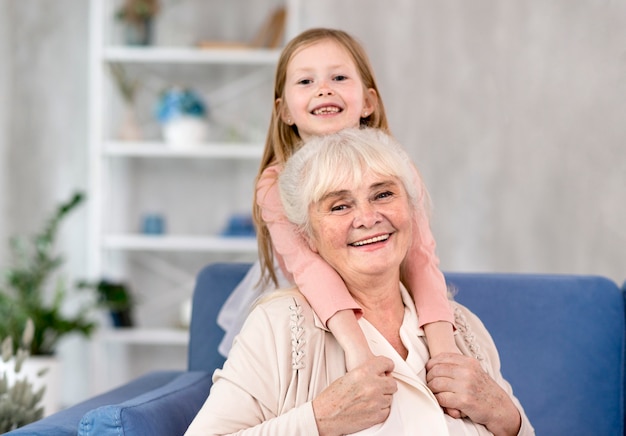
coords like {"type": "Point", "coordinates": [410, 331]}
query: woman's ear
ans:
{"type": "Point", "coordinates": [311, 242]}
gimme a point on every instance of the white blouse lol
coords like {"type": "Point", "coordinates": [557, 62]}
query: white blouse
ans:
{"type": "Point", "coordinates": [414, 406]}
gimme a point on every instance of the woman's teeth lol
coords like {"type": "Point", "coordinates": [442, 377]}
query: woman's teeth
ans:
{"type": "Point", "coordinates": [370, 240]}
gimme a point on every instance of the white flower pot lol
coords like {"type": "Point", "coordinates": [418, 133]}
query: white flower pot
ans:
{"type": "Point", "coordinates": [185, 131]}
{"type": "Point", "coordinates": [33, 365]}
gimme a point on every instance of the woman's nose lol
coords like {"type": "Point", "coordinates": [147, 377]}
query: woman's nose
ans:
{"type": "Point", "coordinates": [366, 216]}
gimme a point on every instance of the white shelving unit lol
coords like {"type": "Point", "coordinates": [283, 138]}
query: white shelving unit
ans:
{"type": "Point", "coordinates": [113, 237]}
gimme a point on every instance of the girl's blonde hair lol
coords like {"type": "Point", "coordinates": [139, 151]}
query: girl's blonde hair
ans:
{"type": "Point", "coordinates": [283, 140]}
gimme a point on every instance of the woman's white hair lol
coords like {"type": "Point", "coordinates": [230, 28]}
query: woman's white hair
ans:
{"type": "Point", "coordinates": [326, 163]}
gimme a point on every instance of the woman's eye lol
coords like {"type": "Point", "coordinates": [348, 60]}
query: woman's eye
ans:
{"type": "Point", "coordinates": [338, 208]}
{"type": "Point", "coordinates": [385, 194]}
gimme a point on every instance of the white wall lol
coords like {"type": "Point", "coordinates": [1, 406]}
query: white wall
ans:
{"type": "Point", "coordinates": [47, 148]}
{"type": "Point", "coordinates": [515, 113]}
{"type": "Point", "coordinates": [5, 101]}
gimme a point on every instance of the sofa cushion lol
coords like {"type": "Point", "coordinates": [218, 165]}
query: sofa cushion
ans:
{"type": "Point", "coordinates": [561, 343]}
{"type": "Point", "coordinates": [180, 400]}
{"type": "Point", "coordinates": [65, 422]}
{"type": "Point", "coordinates": [213, 286]}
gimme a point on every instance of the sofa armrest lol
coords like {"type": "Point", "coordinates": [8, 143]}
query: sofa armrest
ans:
{"type": "Point", "coordinates": [165, 411]}
{"type": "Point", "coordinates": [65, 422]}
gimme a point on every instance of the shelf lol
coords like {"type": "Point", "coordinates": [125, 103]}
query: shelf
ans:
{"type": "Point", "coordinates": [191, 55]}
{"type": "Point", "coordinates": [221, 244]}
{"type": "Point", "coordinates": [144, 336]}
{"type": "Point", "coordinates": [224, 150]}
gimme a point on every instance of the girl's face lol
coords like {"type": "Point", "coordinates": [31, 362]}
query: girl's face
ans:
{"type": "Point", "coordinates": [324, 92]}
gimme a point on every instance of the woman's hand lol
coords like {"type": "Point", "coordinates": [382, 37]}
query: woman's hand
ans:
{"type": "Point", "coordinates": [460, 383]}
{"type": "Point", "coordinates": [358, 400]}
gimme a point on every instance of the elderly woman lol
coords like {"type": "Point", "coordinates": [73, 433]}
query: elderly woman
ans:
{"type": "Point", "coordinates": [351, 196]}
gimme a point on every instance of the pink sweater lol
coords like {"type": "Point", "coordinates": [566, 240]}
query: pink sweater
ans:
{"type": "Point", "coordinates": [321, 284]}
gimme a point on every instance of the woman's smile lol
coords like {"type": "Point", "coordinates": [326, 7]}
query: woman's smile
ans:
{"type": "Point", "coordinates": [371, 240]}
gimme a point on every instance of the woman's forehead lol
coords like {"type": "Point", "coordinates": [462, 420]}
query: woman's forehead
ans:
{"type": "Point", "coordinates": [350, 181]}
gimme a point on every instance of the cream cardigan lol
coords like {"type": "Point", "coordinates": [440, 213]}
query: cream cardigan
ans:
{"type": "Point", "coordinates": [284, 357]}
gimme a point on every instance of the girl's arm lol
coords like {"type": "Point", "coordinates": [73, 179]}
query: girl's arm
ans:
{"type": "Point", "coordinates": [420, 269]}
{"type": "Point", "coordinates": [426, 283]}
{"type": "Point", "coordinates": [315, 278]}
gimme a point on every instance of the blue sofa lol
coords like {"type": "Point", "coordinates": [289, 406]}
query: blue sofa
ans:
{"type": "Point", "coordinates": [560, 337]}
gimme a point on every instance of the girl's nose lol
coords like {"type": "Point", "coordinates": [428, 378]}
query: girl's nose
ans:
{"type": "Point", "coordinates": [324, 89]}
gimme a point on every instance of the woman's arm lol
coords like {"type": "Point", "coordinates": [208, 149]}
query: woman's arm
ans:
{"type": "Point", "coordinates": [251, 394]}
{"type": "Point", "coordinates": [260, 391]}
{"type": "Point", "coordinates": [460, 383]}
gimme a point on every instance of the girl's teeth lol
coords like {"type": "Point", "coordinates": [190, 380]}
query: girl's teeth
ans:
{"type": "Point", "coordinates": [371, 240]}
{"type": "Point", "coordinates": [326, 110]}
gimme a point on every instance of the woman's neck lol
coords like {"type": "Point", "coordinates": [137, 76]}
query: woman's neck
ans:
{"type": "Point", "coordinates": [383, 307]}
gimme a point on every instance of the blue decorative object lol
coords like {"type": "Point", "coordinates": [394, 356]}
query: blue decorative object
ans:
{"type": "Point", "coordinates": [183, 117]}
{"type": "Point", "coordinates": [153, 224]}
{"type": "Point", "coordinates": [240, 225]}
{"type": "Point", "coordinates": [177, 102]}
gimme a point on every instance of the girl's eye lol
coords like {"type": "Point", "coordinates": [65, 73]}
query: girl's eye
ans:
{"type": "Point", "coordinates": [304, 82]}
{"type": "Point", "coordinates": [340, 78]}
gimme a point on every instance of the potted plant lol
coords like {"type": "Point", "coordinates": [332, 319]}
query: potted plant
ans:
{"type": "Point", "coordinates": [20, 400]}
{"type": "Point", "coordinates": [183, 116]}
{"type": "Point", "coordinates": [23, 293]}
{"type": "Point", "coordinates": [116, 298]}
{"type": "Point", "coordinates": [137, 17]}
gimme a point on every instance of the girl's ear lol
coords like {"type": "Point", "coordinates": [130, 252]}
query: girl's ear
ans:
{"type": "Point", "coordinates": [371, 101]}
{"type": "Point", "coordinates": [283, 111]}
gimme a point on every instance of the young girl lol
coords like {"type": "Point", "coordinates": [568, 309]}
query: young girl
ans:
{"type": "Point", "coordinates": [324, 83]}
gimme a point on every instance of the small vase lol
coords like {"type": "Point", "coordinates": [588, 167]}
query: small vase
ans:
{"type": "Point", "coordinates": [185, 131]}
{"type": "Point", "coordinates": [130, 130]}
{"type": "Point", "coordinates": [122, 318]}
{"type": "Point", "coordinates": [139, 32]}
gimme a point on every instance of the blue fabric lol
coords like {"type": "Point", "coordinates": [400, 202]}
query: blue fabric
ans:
{"type": "Point", "coordinates": [165, 411]}
{"type": "Point", "coordinates": [561, 342]}
{"type": "Point", "coordinates": [65, 422]}
{"type": "Point", "coordinates": [213, 286]}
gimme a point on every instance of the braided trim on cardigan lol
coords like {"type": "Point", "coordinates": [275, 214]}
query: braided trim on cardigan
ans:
{"type": "Point", "coordinates": [468, 336]}
{"type": "Point", "coordinates": [297, 336]}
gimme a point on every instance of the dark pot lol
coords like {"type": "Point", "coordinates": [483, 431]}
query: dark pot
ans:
{"type": "Point", "coordinates": [138, 33]}
{"type": "Point", "coordinates": [122, 318]}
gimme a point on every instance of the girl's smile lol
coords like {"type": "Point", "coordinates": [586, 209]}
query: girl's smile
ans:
{"type": "Point", "coordinates": [324, 92]}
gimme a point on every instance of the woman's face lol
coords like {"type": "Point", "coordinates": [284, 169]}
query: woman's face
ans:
{"type": "Point", "coordinates": [363, 229]}
{"type": "Point", "coordinates": [324, 92]}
